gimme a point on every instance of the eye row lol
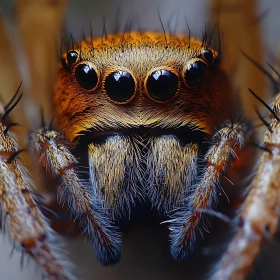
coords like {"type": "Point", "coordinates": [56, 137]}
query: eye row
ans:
{"type": "Point", "coordinates": [161, 85]}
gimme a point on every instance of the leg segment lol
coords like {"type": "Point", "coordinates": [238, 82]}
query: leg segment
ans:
{"type": "Point", "coordinates": [28, 229]}
{"type": "Point", "coordinates": [226, 144]}
{"type": "Point", "coordinates": [260, 213]}
{"type": "Point", "coordinates": [88, 209]}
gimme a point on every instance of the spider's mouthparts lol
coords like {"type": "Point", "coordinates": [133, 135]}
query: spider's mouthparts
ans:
{"type": "Point", "coordinates": [184, 134]}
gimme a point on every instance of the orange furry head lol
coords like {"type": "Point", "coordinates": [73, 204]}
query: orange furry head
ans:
{"type": "Point", "coordinates": [85, 104]}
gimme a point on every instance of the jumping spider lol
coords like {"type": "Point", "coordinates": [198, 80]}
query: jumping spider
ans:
{"type": "Point", "coordinates": [148, 114]}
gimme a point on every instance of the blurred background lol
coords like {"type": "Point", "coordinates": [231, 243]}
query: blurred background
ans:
{"type": "Point", "coordinates": [31, 34]}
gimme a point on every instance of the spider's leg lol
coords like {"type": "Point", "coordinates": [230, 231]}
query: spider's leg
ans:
{"type": "Point", "coordinates": [227, 142]}
{"type": "Point", "coordinates": [88, 209]}
{"type": "Point", "coordinates": [28, 229]}
{"type": "Point", "coordinates": [260, 212]}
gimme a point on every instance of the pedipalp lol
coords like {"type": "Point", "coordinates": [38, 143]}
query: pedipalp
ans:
{"type": "Point", "coordinates": [227, 144]}
{"type": "Point", "coordinates": [87, 208]}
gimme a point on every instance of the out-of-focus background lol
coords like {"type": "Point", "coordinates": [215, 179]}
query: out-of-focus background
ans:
{"type": "Point", "coordinates": [145, 251]}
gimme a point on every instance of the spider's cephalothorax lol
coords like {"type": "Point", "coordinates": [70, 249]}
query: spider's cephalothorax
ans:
{"type": "Point", "coordinates": [144, 106]}
{"type": "Point", "coordinates": [140, 103]}
{"type": "Point", "coordinates": [140, 82]}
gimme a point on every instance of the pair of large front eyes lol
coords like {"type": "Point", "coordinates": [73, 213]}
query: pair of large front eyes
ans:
{"type": "Point", "coordinates": [161, 85]}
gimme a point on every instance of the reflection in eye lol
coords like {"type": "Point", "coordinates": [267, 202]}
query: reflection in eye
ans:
{"type": "Point", "coordinates": [86, 76]}
{"type": "Point", "coordinates": [195, 73]}
{"type": "Point", "coordinates": [120, 86]}
{"type": "Point", "coordinates": [162, 85]}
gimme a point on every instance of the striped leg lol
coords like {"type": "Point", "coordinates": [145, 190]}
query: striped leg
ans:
{"type": "Point", "coordinates": [28, 229]}
{"type": "Point", "coordinates": [260, 213]}
{"type": "Point", "coordinates": [88, 209]}
{"type": "Point", "coordinates": [226, 144]}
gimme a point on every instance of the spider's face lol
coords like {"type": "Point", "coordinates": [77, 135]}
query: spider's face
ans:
{"type": "Point", "coordinates": [138, 103]}
{"type": "Point", "coordinates": [147, 114]}
{"type": "Point", "coordinates": [138, 84]}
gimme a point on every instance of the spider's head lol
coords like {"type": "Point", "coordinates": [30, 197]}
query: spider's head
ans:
{"type": "Point", "coordinates": [140, 83]}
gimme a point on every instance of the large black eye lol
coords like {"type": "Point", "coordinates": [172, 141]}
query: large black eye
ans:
{"type": "Point", "coordinates": [72, 57]}
{"type": "Point", "coordinates": [162, 85]}
{"type": "Point", "coordinates": [86, 76]}
{"type": "Point", "coordinates": [120, 86]}
{"type": "Point", "coordinates": [195, 73]}
{"type": "Point", "coordinates": [207, 55]}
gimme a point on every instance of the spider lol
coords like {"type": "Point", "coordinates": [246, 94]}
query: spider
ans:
{"type": "Point", "coordinates": [150, 114]}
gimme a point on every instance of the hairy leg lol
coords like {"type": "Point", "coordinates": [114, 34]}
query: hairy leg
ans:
{"type": "Point", "coordinates": [28, 229]}
{"type": "Point", "coordinates": [226, 144]}
{"type": "Point", "coordinates": [89, 209]}
{"type": "Point", "coordinates": [260, 212]}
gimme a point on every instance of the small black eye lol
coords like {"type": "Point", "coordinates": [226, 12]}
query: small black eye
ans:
{"type": "Point", "coordinates": [162, 85]}
{"type": "Point", "coordinates": [120, 86]}
{"type": "Point", "coordinates": [195, 73]}
{"type": "Point", "coordinates": [72, 57]}
{"type": "Point", "coordinates": [86, 76]}
{"type": "Point", "coordinates": [207, 55]}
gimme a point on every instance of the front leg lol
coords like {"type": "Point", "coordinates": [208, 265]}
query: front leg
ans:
{"type": "Point", "coordinates": [88, 209]}
{"type": "Point", "coordinates": [227, 143]}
